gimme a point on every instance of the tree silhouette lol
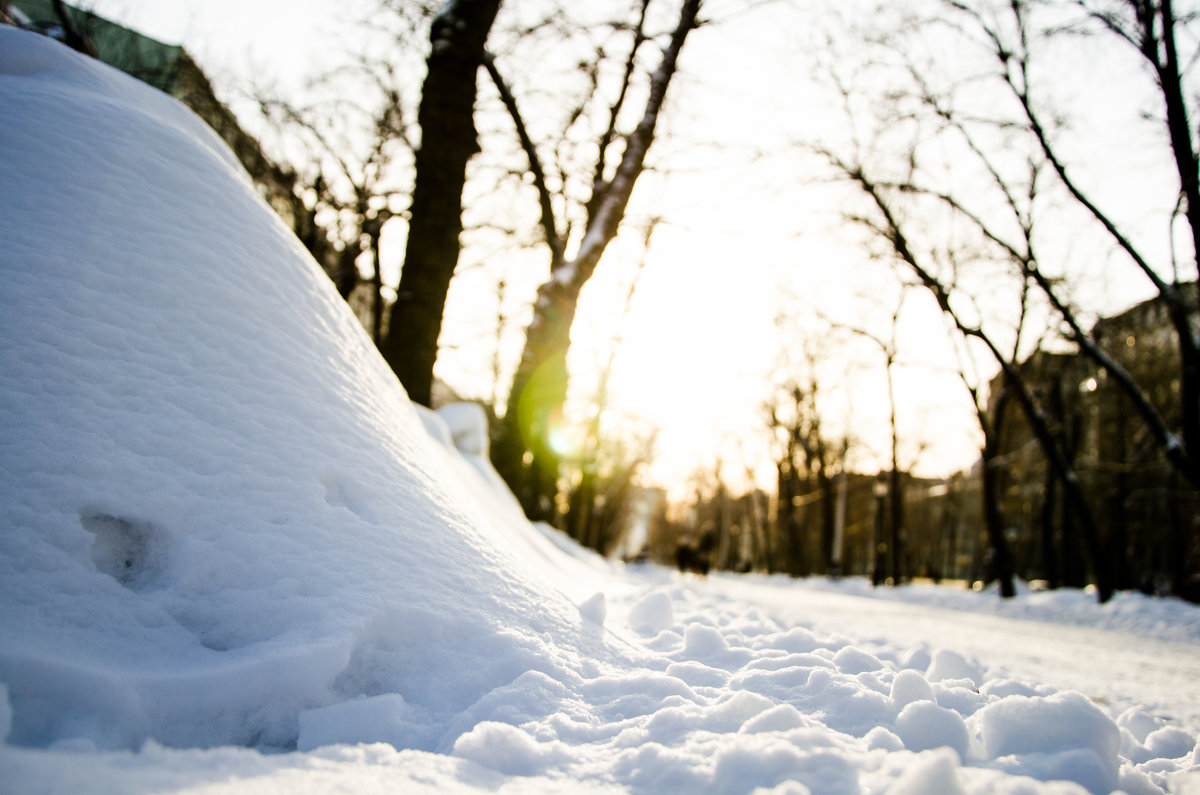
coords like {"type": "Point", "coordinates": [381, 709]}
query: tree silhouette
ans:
{"type": "Point", "coordinates": [448, 140]}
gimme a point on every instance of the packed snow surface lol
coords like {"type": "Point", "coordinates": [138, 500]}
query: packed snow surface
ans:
{"type": "Point", "coordinates": [235, 558]}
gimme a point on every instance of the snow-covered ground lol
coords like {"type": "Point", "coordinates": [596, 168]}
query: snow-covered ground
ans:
{"type": "Point", "coordinates": [235, 558]}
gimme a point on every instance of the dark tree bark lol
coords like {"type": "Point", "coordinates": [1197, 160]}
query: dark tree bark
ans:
{"type": "Point", "coordinates": [816, 452]}
{"type": "Point", "coordinates": [1152, 33]}
{"type": "Point", "coordinates": [448, 141]}
{"type": "Point", "coordinates": [828, 515]}
{"type": "Point", "coordinates": [808, 457]}
{"type": "Point", "coordinates": [1000, 559]}
{"type": "Point", "coordinates": [73, 37]}
{"type": "Point", "coordinates": [788, 528]}
{"type": "Point", "coordinates": [1001, 565]}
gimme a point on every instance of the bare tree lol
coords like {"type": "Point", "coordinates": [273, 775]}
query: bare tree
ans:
{"type": "Point", "coordinates": [606, 467]}
{"type": "Point", "coordinates": [991, 411]}
{"type": "Point", "coordinates": [355, 174]}
{"type": "Point", "coordinates": [809, 461]}
{"type": "Point", "coordinates": [448, 140]}
{"type": "Point", "coordinates": [1150, 27]}
{"type": "Point", "coordinates": [886, 224]}
{"type": "Point", "coordinates": [980, 144]}
{"type": "Point", "coordinates": [523, 454]}
{"type": "Point", "coordinates": [890, 349]}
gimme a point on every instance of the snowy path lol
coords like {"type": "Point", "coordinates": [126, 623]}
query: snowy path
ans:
{"type": "Point", "coordinates": [1114, 668]}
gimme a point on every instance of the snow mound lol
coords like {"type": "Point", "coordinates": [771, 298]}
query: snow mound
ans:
{"type": "Point", "coordinates": [220, 510]}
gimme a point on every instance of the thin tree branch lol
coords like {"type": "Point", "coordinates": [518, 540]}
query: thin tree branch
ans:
{"type": "Point", "coordinates": [608, 211]}
{"type": "Point", "coordinates": [545, 200]}
{"type": "Point", "coordinates": [599, 187]}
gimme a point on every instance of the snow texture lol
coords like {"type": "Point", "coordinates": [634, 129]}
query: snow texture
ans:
{"type": "Point", "coordinates": [235, 558]}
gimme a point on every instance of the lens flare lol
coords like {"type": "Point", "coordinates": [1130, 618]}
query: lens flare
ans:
{"type": "Point", "coordinates": [567, 440]}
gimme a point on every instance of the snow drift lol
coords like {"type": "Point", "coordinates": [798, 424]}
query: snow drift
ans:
{"type": "Point", "coordinates": [220, 509]}
{"type": "Point", "coordinates": [225, 533]}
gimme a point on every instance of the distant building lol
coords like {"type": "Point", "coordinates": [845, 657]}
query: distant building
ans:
{"type": "Point", "coordinates": [1148, 519]}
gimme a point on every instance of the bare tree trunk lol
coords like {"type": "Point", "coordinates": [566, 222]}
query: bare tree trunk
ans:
{"type": "Point", "coordinates": [877, 543]}
{"type": "Point", "coordinates": [787, 527]}
{"type": "Point", "coordinates": [1179, 126]}
{"type": "Point", "coordinates": [448, 141]}
{"type": "Point", "coordinates": [828, 516]}
{"type": "Point", "coordinates": [73, 37]}
{"type": "Point", "coordinates": [993, 517]}
{"type": "Point", "coordinates": [895, 485]}
{"type": "Point", "coordinates": [895, 495]}
{"type": "Point", "coordinates": [373, 231]}
{"type": "Point", "coordinates": [523, 454]}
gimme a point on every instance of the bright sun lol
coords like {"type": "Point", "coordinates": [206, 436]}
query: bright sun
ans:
{"type": "Point", "coordinates": [692, 357]}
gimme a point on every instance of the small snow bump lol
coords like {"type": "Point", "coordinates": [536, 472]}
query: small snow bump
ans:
{"type": "Point", "coordinates": [908, 687]}
{"type": "Point", "coordinates": [949, 665]}
{"type": "Point", "coordinates": [1060, 736]}
{"type": "Point", "coordinates": [698, 674]}
{"type": "Point", "coordinates": [934, 771]}
{"type": "Point", "coordinates": [652, 614]}
{"type": "Point", "coordinates": [880, 739]}
{"type": "Point", "coordinates": [594, 609]}
{"type": "Point", "coordinates": [923, 726]}
{"type": "Point", "coordinates": [852, 660]}
{"type": "Point", "coordinates": [780, 718]}
{"type": "Point", "coordinates": [797, 639]}
{"type": "Point", "coordinates": [1138, 723]}
{"type": "Point", "coordinates": [1170, 742]}
{"type": "Point", "coordinates": [1003, 688]}
{"type": "Point", "coordinates": [467, 424]}
{"type": "Point", "coordinates": [508, 749]}
{"type": "Point", "coordinates": [702, 641]}
{"type": "Point", "coordinates": [917, 659]}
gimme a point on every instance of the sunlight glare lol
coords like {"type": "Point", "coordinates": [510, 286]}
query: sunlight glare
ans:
{"type": "Point", "coordinates": [692, 356]}
{"type": "Point", "coordinates": [566, 439]}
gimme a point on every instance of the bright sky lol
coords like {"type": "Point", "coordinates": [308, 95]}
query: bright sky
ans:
{"type": "Point", "coordinates": [699, 344]}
